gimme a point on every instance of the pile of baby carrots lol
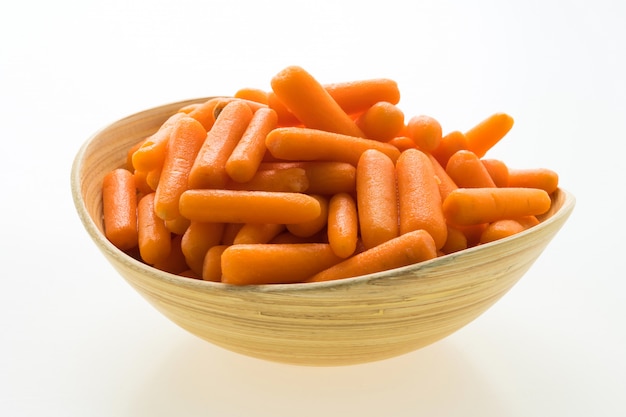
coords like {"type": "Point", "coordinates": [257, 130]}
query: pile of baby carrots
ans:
{"type": "Point", "coordinates": [313, 182]}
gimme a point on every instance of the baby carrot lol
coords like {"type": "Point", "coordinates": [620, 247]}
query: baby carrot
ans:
{"type": "Point", "coordinates": [377, 200]}
{"type": "Point", "coordinates": [309, 101]}
{"type": "Point", "coordinates": [382, 121]}
{"type": "Point", "coordinates": [285, 117]}
{"type": "Point", "coordinates": [498, 171]}
{"type": "Point", "coordinates": [258, 233]}
{"type": "Point", "coordinates": [304, 144]}
{"type": "Point", "coordinates": [425, 132]}
{"type": "Point", "coordinates": [343, 224]}
{"type": "Point", "coordinates": [199, 237]}
{"type": "Point", "coordinates": [119, 206]}
{"type": "Point", "coordinates": [152, 178]}
{"type": "Point", "coordinates": [245, 158]}
{"type": "Point", "coordinates": [446, 184]}
{"type": "Point", "coordinates": [449, 144]}
{"type": "Point", "coordinates": [355, 97]}
{"type": "Point", "coordinates": [527, 221]}
{"type": "Point", "coordinates": [252, 94]}
{"type": "Point", "coordinates": [324, 177]}
{"type": "Point", "coordinates": [313, 226]}
{"type": "Point", "coordinates": [151, 154]}
{"type": "Point", "coordinates": [419, 197]}
{"type": "Point", "coordinates": [500, 229]}
{"type": "Point", "coordinates": [205, 112]}
{"type": "Point", "coordinates": [467, 171]}
{"type": "Point", "coordinates": [455, 241]}
{"type": "Point", "coordinates": [177, 225]}
{"type": "Point", "coordinates": [175, 262]}
{"type": "Point", "coordinates": [293, 180]}
{"type": "Point", "coordinates": [209, 168]}
{"type": "Point", "coordinates": [402, 143]}
{"type": "Point", "coordinates": [467, 206]}
{"type": "Point", "coordinates": [275, 263]}
{"type": "Point", "coordinates": [141, 182]}
{"type": "Point", "coordinates": [186, 138]}
{"type": "Point", "coordinates": [154, 239]}
{"type": "Point", "coordinates": [406, 249]}
{"type": "Point", "coordinates": [542, 178]}
{"type": "Point", "coordinates": [230, 233]}
{"type": "Point", "coordinates": [483, 136]}
{"type": "Point", "coordinates": [235, 206]}
{"type": "Point", "coordinates": [129, 155]}
{"type": "Point", "coordinates": [212, 266]}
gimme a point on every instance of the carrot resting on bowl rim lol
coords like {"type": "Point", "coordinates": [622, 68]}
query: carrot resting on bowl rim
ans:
{"type": "Point", "coordinates": [299, 184]}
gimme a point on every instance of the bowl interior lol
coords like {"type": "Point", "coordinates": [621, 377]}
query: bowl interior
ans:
{"type": "Point", "coordinates": [342, 322]}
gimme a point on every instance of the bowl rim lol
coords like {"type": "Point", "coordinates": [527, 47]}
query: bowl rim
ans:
{"type": "Point", "coordinates": [567, 206]}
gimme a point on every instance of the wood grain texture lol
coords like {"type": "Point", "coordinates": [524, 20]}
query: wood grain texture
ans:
{"type": "Point", "coordinates": [343, 322]}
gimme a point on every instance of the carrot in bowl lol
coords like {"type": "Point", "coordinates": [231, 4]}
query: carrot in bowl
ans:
{"type": "Point", "coordinates": [240, 206]}
{"type": "Point", "coordinates": [119, 205]}
{"type": "Point", "coordinates": [406, 249]}
{"type": "Point", "coordinates": [470, 206]}
{"type": "Point", "coordinates": [305, 144]}
{"type": "Point", "coordinates": [309, 101]}
{"type": "Point", "coordinates": [275, 263]}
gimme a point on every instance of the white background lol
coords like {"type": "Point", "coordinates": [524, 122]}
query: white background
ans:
{"type": "Point", "coordinates": [76, 340]}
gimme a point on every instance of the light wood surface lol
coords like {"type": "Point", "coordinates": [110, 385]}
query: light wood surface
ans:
{"type": "Point", "coordinates": [344, 322]}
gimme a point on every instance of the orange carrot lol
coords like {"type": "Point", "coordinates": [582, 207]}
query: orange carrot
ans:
{"type": "Point", "coordinates": [258, 233]}
{"type": "Point", "coordinates": [467, 206]}
{"type": "Point", "coordinates": [230, 233]}
{"type": "Point", "coordinates": [455, 241]}
{"type": "Point", "coordinates": [449, 144]}
{"type": "Point", "coordinates": [234, 206]}
{"type": "Point", "coordinates": [285, 117]}
{"type": "Point", "coordinates": [197, 240]}
{"type": "Point", "coordinates": [500, 229]}
{"type": "Point", "coordinates": [152, 178]}
{"type": "Point", "coordinates": [382, 121]}
{"type": "Point", "coordinates": [467, 171]}
{"type": "Point", "coordinates": [151, 154]}
{"type": "Point", "coordinates": [175, 262]}
{"type": "Point", "coordinates": [304, 144]}
{"type": "Point", "coordinates": [205, 112]}
{"type": "Point", "coordinates": [542, 178]}
{"type": "Point", "coordinates": [188, 108]}
{"type": "Point", "coordinates": [377, 201]}
{"type": "Point", "coordinates": [419, 197]}
{"type": "Point", "coordinates": [275, 263]}
{"type": "Point", "coordinates": [129, 155]}
{"type": "Point", "coordinates": [309, 101]}
{"type": "Point", "coordinates": [178, 225]}
{"type": "Point", "coordinates": [245, 158]}
{"type": "Point", "coordinates": [313, 226]}
{"type": "Point", "coordinates": [186, 138]}
{"type": "Point", "coordinates": [406, 249]}
{"type": "Point", "coordinates": [252, 94]}
{"type": "Point", "coordinates": [402, 143]}
{"type": "Point", "coordinates": [357, 96]}
{"type": "Point", "coordinates": [483, 136]}
{"type": "Point", "coordinates": [141, 182]}
{"type": "Point", "coordinates": [324, 177]}
{"type": "Point", "coordinates": [446, 184]}
{"type": "Point", "coordinates": [212, 266]}
{"type": "Point", "coordinates": [119, 205]}
{"type": "Point", "coordinates": [343, 224]}
{"type": "Point", "coordinates": [288, 237]}
{"type": "Point", "coordinates": [425, 132]}
{"type": "Point", "coordinates": [498, 171]}
{"type": "Point", "coordinates": [209, 168]}
{"type": "Point", "coordinates": [293, 180]}
{"type": "Point", "coordinates": [527, 221]}
{"type": "Point", "coordinates": [154, 239]}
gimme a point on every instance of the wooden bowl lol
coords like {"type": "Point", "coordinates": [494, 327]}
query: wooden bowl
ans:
{"type": "Point", "coordinates": [344, 322]}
